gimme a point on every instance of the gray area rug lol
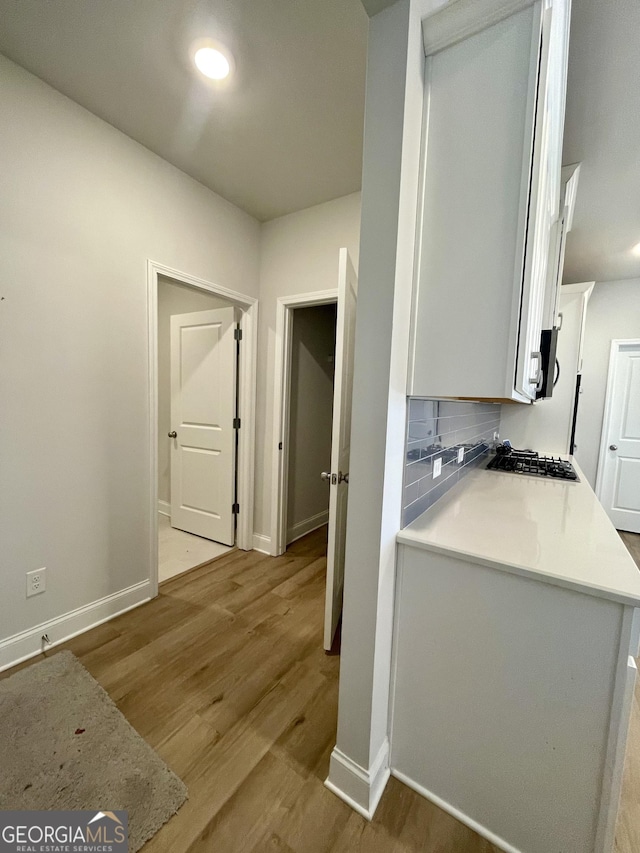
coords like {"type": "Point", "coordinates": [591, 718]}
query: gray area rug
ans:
{"type": "Point", "coordinates": [65, 745]}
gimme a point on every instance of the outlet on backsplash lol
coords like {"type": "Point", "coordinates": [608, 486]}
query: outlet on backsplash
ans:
{"type": "Point", "coordinates": [445, 439]}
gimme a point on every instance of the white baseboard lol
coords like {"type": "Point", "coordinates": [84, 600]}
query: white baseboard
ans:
{"type": "Point", "coordinates": [301, 528]}
{"type": "Point", "coordinates": [262, 543]}
{"type": "Point", "coordinates": [27, 644]}
{"type": "Point", "coordinates": [456, 813]}
{"type": "Point", "coordinates": [164, 508]}
{"type": "Point", "coordinates": [359, 788]}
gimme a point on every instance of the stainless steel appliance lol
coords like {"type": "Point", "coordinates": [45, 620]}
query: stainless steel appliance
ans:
{"type": "Point", "coordinates": [529, 462]}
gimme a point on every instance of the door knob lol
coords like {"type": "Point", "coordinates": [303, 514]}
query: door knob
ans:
{"type": "Point", "coordinates": [343, 478]}
{"type": "Point", "coordinates": [613, 447]}
{"type": "Point", "coordinates": [173, 434]}
{"type": "Point", "coordinates": [326, 476]}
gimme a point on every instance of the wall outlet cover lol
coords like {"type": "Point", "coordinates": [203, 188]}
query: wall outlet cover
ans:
{"type": "Point", "coordinates": [437, 468]}
{"type": "Point", "coordinates": [36, 582]}
{"type": "Point", "coordinates": [461, 455]}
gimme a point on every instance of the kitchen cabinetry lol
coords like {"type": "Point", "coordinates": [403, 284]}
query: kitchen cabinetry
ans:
{"type": "Point", "coordinates": [516, 629]}
{"type": "Point", "coordinates": [495, 81]}
{"type": "Point", "coordinates": [559, 231]}
{"type": "Point", "coordinates": [547, 426]}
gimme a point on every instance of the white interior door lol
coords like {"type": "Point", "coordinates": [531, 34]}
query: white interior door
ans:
{"type": "Point", "coordinates": [619, 474]}
{"type": "Point", "coordinates": [203, 408]}
{"type": "Point", "coordinates": [340, 443]}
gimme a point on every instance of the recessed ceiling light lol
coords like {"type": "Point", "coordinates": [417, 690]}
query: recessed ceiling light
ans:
{"type": "Point", "coordinates": [212, 63]}
{"type": "Point", "coordinates": [636, 249]}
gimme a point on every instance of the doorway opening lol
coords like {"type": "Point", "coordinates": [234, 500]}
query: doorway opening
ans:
{"type": "Point", "coordinates": [308, 431]}
{"type": "Point", "coordinates": [192, 325]}
{"type": "Point", "coordinates": [293, 517]}
{"type": "Point", "coordinates": [202, 397]}
{"type": "Point", "coordinates": [618, 477]}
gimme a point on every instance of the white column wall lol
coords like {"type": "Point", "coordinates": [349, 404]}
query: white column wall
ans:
{"type": "Point", "coordinates": [393, 120]}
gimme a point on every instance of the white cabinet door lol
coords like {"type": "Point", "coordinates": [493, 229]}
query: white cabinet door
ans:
{"type": "Point", "coordinates": [489, 195]}
{"type": "Point", "coordinates": [529, 377]}
{"type": "Point", "coordinates": [544, 243]}
{"type": "Point", "coordinates": [479, 121]}
{"type": "Point", "coordinates": [559, 231]}
{"type": "Point", "coordinates": [554, 273]}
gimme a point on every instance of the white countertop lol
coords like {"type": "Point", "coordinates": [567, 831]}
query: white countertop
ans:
{"type": "Point", "coordinates": [555, 531]}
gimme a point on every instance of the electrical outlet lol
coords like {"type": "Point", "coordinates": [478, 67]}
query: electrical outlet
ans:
{"type": "Point", "coordinates": [36, 582]}
{"type": "Point", "coordinates": [496, 436]}
{"type": "Point", "coordinates": [437, 468]}
{"type": "Point", "coordinates": [460, 455]}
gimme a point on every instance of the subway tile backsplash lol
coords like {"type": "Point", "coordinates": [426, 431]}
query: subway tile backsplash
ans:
{"type": "Point", "coordinates": [437, 429]}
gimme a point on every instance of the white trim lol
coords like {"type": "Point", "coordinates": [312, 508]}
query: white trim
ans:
{"type": "Point", "coordinates": [262, 543]}
{"type": "Point", "coordinates": [616, 346]}
{"type": "Point", "coordinates": [570, 176]}
{"type": "Point", "coordinates": [359, 788]}
{"type": "Point", "coordinates": [164, 508]}
{"type": "Point", "coordinates": [580, 287]}
{"type": "Point", "coordinates": [393, 674]}
{"type": "Point", "coordinates": [308, 525]}
{"type": "Point", "coordinates": [28, 644]}
{"type": "Point", "coordinates": [622, 701]}
{"type": "Point", "coordinates": [246, 403]}
{"type": "Point", "coordinates": [284, 318]}
{"type": "Point", "coordinates": [457, 21]}
{"type": "Point", "coordinates": [456, 813]}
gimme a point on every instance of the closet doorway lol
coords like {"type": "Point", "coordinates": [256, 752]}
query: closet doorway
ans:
{"type": "Point", "coordinates": [311, 379]}
{"type": "Point", "coordinates": [202, 389]}
{"type": "Point", "coordinates": [287, 526]}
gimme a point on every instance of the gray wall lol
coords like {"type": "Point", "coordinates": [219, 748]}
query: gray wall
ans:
{"type": "Point", "coordinates": [83, 209]}
{"type": "Point", "coordinates": [299, 254]}
{"type": "Point", "coordinates": [613, 312]}
{"type": "Point", "coordinates": [173, 298]}
{"type": "Point", "coordinates": [435, 430]}
{"type": "Point", "coordinates": [312, 366]}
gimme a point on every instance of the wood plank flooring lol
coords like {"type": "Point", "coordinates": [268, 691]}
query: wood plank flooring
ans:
{"type": "Point", "coordinates": [632, 541]}
{"type": "Point", "coordinates": [224, 675]}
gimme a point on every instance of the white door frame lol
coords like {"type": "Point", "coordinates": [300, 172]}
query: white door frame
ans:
{"type": "Point", "coordinates": [282, 386]}
{"type": "Point", "coordinates": [608, 406]}
{"type": "Point", "coordinates": [246, 402]}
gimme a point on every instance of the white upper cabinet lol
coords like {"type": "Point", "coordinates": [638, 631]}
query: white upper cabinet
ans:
{"type": "Point", "coordinates": [559, 231]}
{"type": "Point", "coordinates": [495, 81]}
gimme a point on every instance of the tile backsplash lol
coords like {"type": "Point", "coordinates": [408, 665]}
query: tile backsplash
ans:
{"type": "Point", "coordinates": [436, 430]}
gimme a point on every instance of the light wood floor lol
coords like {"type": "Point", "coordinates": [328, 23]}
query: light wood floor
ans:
{"type": "Point", "coordinates": [179, 551]}
{"type": "Point", "coordinates": [632, 541]}
{"type": "Point", "coordinates": [224, 675]}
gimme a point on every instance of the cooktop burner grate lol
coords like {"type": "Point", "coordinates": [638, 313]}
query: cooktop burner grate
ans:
{"type": "Point", "coordinates": [528, 462]}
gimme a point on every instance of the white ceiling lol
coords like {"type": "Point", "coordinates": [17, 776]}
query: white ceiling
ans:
{"type": "Point", "coordinates": [602, 130]}
{"type": "Point", "coordinates": [288, 133]}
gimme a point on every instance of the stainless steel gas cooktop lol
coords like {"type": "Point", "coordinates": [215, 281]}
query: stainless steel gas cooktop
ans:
{"type": "Point", "coordinates": [529, 462]}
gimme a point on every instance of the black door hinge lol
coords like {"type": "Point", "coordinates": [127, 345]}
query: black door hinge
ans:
{"type": "Point", "coordinates": [237, 334]}
{"type": "Point", "coordinates": [235, 509]}
{"type": "Point", "coordinates": [236, 423]}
